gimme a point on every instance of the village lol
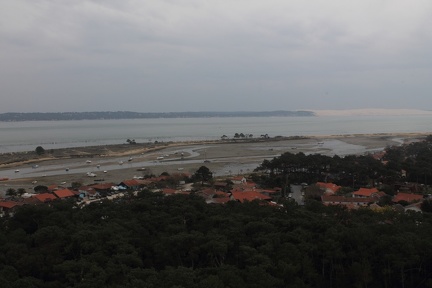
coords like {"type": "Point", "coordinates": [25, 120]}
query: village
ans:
{"type": "Point", "coordinates": [362, 181]}
{"type": "Point", "coordinates": [240, 188]}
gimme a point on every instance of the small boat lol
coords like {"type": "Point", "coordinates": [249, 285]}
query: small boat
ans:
{"type": "Point", "coordinates": [105, 171]}
{"type": "Point", "coordinates": [130, 159]}
{"type": "Point", "coordinates": [35, 166]}
{"type": "Point", "coordinates": [90, 174]}
{"type": "Point", "coordinates": [88, 161]}
{"type": "Point", "coordinates": [16, 171]}
{"type": "Point", "coordinates": [120, 162]}
{"type": "Point", "coordinates": [67, 169]}
{"type": "Point", "coordinates": [98, 166]}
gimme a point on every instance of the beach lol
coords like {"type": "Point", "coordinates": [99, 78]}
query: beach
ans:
{"type": "Point", "coordinates": [115, 163]}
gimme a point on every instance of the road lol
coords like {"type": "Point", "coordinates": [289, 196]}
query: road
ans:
{"type": "Point", "coordinates": [296, 194]}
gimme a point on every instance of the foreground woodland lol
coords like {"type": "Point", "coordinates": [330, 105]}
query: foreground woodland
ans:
{"type": "Point", "coordinates": [153, 240]}
{"type": "Point", "coordinates": [180, 241]}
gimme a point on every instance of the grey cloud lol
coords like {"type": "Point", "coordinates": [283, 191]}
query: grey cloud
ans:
{"type": "Point", "coordinates": [214, 55]}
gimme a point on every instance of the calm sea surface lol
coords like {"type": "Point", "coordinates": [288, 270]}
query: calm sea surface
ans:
{"type": "Point", "coordinates": [26, 136]}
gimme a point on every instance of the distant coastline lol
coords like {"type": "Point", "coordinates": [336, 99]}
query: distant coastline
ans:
{"type": "Point", "coordinates": [113, 115]}
{"type": "Point", "coordinates": [64, 116]}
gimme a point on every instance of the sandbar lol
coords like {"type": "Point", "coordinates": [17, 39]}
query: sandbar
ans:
{"type": "Point", "coordinates": [223, 157]}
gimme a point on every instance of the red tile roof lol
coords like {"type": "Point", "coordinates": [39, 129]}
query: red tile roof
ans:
{"type": "Point", "coordinates": [168, 191]}
{"type": "Point", "coordinates": [9, 204]}
{"type": "Point", "coordinates": [329, 187]}
{"type": "Point", "coordinates": [45, 197]}
{"type": "Point", "coordinates": [220, 194]}
{"type": "Point", "coordinates": [249, 196]}
{"type": "Point", "coordinates": [103, 186]}
{"type": "Point", "coordinates": [131, 183]}
{"type": "Point", "coordinates": [64, 193]}
{"type": "Point", "coordinates": [407, 197]}
{"type": "Point", "coordinates": [365, 192]}
{"type": "Point", "coordinates": [207, 192]}
{"type": "Point", "coordinates": [31, 200]}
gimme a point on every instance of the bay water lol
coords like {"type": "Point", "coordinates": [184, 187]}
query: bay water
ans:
{"type": "Point", "coordinates": [27, 135]}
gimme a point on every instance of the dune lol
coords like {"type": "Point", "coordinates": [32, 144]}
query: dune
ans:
{"type": "Point", "coordinates": [371, 112]}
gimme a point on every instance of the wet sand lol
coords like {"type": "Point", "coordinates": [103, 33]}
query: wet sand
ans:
{"type": "Point", "coordinates": [222, 157]}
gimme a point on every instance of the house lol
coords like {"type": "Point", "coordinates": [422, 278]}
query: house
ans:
{"type": "Point", "coordinates": [132, 184]}
{"type": "Point", "coordinates": [64, 193]}
{"type": "Point", "coordinates": [328, 188]}
{"type": "Point", "coordinates": [239, 180]}
{"type": "Point", "coordinates": [31, 200]}
{"type": "Point", "coordinates": [408, 197]}
{"type": "Point", "coordinates": [366, 193]}
{"type": "Point", "coordinates": [45, 197]}
{"type": "Point", "coordinates": [88, 191]}
{"type": "Point", "coordinates": [249, 196]}
{"type": "Point", "coordinates": [103, 188]}
{"type": "Point", "coordinates": [7, 207]}
{"type": "Point", "coordinates": [350, 202]}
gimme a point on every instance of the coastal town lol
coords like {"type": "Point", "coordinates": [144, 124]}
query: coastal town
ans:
{"type": "Point", "coordinates": [217, 189]}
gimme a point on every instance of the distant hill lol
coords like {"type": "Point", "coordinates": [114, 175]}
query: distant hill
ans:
{"type": "Point", "coordinates": [12, 117]}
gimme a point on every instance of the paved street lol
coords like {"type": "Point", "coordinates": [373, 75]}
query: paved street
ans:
{"type": "Point", "coordinates": [296, 194]}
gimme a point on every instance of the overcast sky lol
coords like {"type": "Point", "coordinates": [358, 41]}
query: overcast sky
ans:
{"type": "Point", "coordinates": [221, 55]}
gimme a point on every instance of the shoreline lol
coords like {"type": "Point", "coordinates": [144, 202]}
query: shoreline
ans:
{"type": "Point", "coordinates": [14, 159]}
{"type": "Point", "coordinates": [223, 157]}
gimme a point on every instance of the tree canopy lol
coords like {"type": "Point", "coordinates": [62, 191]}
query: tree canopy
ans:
{"type": "Point", "coordinates": [180, 241]}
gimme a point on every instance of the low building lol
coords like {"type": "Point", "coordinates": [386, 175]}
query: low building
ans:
{"type": "Point", "coordinates": [407, 197]}
{"type": "Point", "coordinates": [7, 208]}
{"type": "Point", "coordinates": [45, 197]}
{"type": "Point", "coordinates": [350, 202]}
{"type": "Point", "coordinates": [249, 196]}
{"type": "Point", "coordinates": [64, 193]}
{"type": "Point", "coordinates": [132, 184]}
{"type": "Point", "coordinates": [366, 193]}
{"type": "Point", "coordinates": [328, 188]}
{"type": "Point", "coordinates": [239, 180]}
